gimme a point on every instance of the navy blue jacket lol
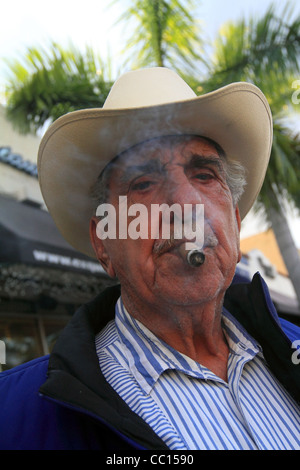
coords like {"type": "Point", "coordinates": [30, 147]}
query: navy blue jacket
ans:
{"type": "Point", "coordinates": [64, 402]}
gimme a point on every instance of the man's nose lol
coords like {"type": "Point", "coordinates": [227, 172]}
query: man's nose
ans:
{"type": "Point", "coordinates": [180, 190]}
{"type": "Point", "coordinates": [187, 206]}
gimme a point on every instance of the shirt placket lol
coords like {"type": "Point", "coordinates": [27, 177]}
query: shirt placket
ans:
{"type": "Point", "coordinates": [239, 359]}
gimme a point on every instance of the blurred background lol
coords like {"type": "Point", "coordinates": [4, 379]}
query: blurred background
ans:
{"type": "Point", "coordinates": [66, 56]}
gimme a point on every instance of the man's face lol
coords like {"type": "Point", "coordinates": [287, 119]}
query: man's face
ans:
{"type": "Point", "coordinates": [181, 170]}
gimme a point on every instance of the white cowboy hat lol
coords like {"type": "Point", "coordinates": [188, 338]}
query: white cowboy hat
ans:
{"type": "Point", "coordinates": [143, 104]}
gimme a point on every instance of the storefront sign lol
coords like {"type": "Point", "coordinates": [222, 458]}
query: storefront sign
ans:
{"type": "Point", "coordinates": [17, 161]}
{"type": "Point", "coordinates": [67, 261]}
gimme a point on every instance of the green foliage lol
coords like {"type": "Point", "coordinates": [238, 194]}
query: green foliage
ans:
{"type": "Point", "coordinates": [165, 33]}
{"type": "Point", "coordinates": [50, 82]}
{"type": "Point", "coordinates": [283, 175]}
{"type": "Point", "coordinates": [266, 52]}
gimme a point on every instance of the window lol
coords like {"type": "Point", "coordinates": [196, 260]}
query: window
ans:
{"type": "Point", "coordinates": [25, 337]}
{"type": "Point", "coordinates": [21, 339]}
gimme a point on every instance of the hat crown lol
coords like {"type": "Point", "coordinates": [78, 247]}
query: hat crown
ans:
{"type": "Point", "coordinates": [147, 87]}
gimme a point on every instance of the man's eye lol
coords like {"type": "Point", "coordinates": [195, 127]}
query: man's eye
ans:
{"type": "Point", "coordinates": [204, 176]}
{"type": "Point", "coordinates": [141, 185]}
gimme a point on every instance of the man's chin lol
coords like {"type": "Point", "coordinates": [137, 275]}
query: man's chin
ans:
{"type": "Point", "coordinates": [187, 290]}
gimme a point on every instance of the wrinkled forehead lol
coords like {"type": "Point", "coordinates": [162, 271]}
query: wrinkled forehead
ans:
{"type": "Point", "coordinates": [165, 149]}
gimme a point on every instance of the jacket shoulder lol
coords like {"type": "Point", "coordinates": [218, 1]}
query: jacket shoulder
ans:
{"type": "Point", "coordinates": [30, 373]}
{"type": "Point", "coordinates": [40, 361]}
{"type": "Point", "coordinates": [20, 402]}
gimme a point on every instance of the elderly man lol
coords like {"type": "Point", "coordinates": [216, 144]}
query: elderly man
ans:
{"type": "Point", "coordinates": [174, 357]}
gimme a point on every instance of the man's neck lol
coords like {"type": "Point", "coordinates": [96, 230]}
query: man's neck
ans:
{"type": "Point", "coordinates": [195, 331]}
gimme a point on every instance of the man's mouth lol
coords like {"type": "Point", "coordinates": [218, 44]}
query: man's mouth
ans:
{"type": "Point", "coordinates": [172, 244]}
{"type": "Point", "coordinates": [168, 245]}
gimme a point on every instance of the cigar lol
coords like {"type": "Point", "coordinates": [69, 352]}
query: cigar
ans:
{"type": "Point", "coordinates": [193, 255]}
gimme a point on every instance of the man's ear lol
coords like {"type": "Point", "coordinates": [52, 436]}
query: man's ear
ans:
{"type": "Point", "coordinates": [239, 223]}
{"type": "Point", "coordinates": [100, 249]}
{"type": "Point", "coordinates": [238, 218]}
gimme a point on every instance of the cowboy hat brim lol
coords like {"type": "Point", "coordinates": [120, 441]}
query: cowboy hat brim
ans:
{"type": "Point", "coordinates": [78, 145]}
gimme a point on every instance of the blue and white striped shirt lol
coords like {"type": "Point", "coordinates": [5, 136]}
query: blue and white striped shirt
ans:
{"type": "Point", "coordinates": [187, 405]}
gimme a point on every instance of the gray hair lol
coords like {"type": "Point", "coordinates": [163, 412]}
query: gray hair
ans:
{"type": "Point", "coordinates": [235, 174]}
{"type": "Point", "coordinates": [236, 180]}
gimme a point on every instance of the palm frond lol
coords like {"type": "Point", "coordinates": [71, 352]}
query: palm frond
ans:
{"type": "Point", "coordinates": [283, 174]}
{"type": "Point", "coordinates": [164, 33]}
{"type": "Point", "coordinates": [50, 82]}
{"type": "Point", "coordinates": [251, 49]}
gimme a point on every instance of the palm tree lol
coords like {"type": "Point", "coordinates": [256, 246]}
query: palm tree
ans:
{"type": "Point", "coordinates": [50, 82]}
{"type": "Point", "coordinates": [266, 52]}
{"type": "Point", "coordinates": [165, 33]}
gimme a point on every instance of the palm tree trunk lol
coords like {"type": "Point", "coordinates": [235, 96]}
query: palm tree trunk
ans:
{"type": "Point", "coordinates": [287, 247]}
{"type": "Point", "coordinates": [157, 36]}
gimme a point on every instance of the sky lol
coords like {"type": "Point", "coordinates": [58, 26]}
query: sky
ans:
{"type": "Point", "coordinates": [93, 22]}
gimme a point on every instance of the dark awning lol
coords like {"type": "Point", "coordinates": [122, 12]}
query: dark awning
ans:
{"type": "Point", "coordinates": [28, 235]}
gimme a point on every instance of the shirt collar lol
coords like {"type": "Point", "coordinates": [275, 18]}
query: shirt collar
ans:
{"type": "Point", "coordinates": [148, 357]}
{"type": "Point", "coordinates": [239, 340]}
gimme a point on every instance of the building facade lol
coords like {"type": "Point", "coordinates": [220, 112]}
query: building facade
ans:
{"type": "Point", "coordinates": [42, 278]}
